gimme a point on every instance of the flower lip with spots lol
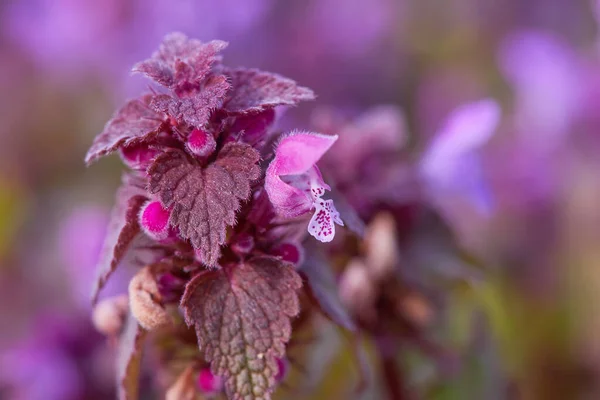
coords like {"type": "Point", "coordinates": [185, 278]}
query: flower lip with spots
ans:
{"type": "Point", "coordinates": [295, 185]}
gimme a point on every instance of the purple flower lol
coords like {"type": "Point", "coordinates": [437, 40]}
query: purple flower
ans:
{"type": "Point", "coordinates": [380, 131]}
{"type": "Point", "coordinates": [36, 372]}
{"type": "Point", "coordinates": [50, 360]}
{"type": "Point", "coordinates": [451, 163]}
{"type": "Point", "coordinates": [368, 166]}
{"type": "Point", "coordinates": [547, 78]}
{"type": "Point", "coordinates": [295, 185]}
{"type": "Point", "coordinates": [209, 383]}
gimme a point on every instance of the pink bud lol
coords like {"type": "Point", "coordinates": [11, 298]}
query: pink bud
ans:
{"type": "Point", "coordinates": [242, 244]}
{"type": "Point", "coordinates": [137, 156]}
{"type": "Point", "coordinates": [208, 383]}
{"type": "Point", "coordinates": [201, 143]}
{"type": "Point", "coordinates": [290, 252]}
{"type": "Point", "coordinates": [154, 220]}
{"type": "Point", "coordinates": [283, 367]}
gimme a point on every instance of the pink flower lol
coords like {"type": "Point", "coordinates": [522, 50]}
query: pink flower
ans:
{"type": "Point", "coordinates": [548, 80]}
{"type": "Point", "coordinates": [295, 185]}
{"type": "Point", "coordinates": [451, 163]}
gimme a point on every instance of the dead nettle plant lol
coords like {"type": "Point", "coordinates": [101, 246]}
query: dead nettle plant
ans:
{"type": "Point", "coordinates": [221, 201]}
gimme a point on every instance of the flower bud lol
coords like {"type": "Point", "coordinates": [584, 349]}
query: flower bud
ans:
{"type": "Point", "coordinates": [242, 244]}
{"type": "Point", "coordinates": [208, 383]}
{"type": "Point", "coordinates": [145, 300]}
{"type": "Point", "coordinates": [201, 143]}
{"type": "Point", "coordinates": [109, 315]}
{"type": "Point", "coordinates": [137, 157]}
{"type": "Point", "coordinates": [154, 220]}
{"type": "Point", "coordinates": [290, 252]}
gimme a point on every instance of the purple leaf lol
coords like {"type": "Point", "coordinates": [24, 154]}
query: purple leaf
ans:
{"type": "Point", "coordinates": [255, 91]}
{"type": "Point", "coordinates": [194, 109]}
{"type": "Point", "coordinates": [180, 62]}
{"type": "Point", "coordinates": [204, 200]}
{"type": "Point", "coordinates": [122, 230]}
{"type": "Point", "coordinates": [133, 124]}
{"type": "Point", "coordinates": [242, 318]}
{"type": "Point", "coordinates": [324, 289]}
{"type": "Point", "coordinates": [129, 357]}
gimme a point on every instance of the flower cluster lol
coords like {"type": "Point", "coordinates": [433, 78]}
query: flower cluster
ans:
{"type": "Point", "coordinates": [217, 204]}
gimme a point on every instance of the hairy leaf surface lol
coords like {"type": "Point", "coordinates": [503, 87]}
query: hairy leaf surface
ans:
{"type": "Point", "coordinates": [241, 314]}
{"type": "Point", "coordinates": [133, 124]}
{"type": "Point", "coordinates": [254, 91]}
{"type": "Point", "coordinates": [181, 62]}
{"type": "Point", "coordinates": [204, 200]}
{"type": "Point", "coordinates": [195, 108]}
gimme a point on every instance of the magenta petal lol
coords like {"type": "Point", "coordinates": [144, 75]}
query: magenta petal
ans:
{"type": "Point", "coordinates": [295, 154]}
{"type": "Point", "coordinates": [288, 201]}
{"type": "Point", "coordinates": [467, 128]}
{"type": "Point", "coordinates": [448, 164]}
{"type": "Point", "coordinates": [208, 383]}
{"type": "Point", "coordinates": [299, 151]}
{"type": "Point", "coordinates": [547, 78]}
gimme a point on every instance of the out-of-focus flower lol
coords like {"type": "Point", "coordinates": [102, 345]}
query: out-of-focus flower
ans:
{"type": "Point", "coordinates": [368, 165]}
{"type": "Point", "coordinates": [370, 138]}
{"type": "Point", "coordinates": [39, 372]}
{"type": "Point", "coordinates": [209, 383]}
{"type": "Point", "coordinates": [547, 78]}
{"type": "Point", "coordinates": [49, 363]}
{"type": "Point", "coordinates": [450, 165]}
{"type": "Point", "coordinates": [295, 185]}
